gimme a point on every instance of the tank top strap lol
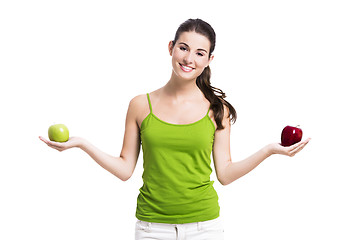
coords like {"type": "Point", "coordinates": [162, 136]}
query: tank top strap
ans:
{"type": "Point", "coordinates": [148, 97]}
{"type": "Point", "coordinates": [208, 110]}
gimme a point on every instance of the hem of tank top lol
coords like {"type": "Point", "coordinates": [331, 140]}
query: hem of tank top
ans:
{"type": "Point", "coordinates": [175, 221]}
{"type": "Point", "coordinates": [180, 125]}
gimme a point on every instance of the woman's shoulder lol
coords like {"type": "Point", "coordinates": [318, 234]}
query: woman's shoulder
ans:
{"type": "Point", "coordinates": [138, 103]}
{"type": "Point", "coordinates": [139, 107]}
{"type": "Point", "coordinates": [142, 99]}
{"type": "Point", "coordinates": [138, 99]}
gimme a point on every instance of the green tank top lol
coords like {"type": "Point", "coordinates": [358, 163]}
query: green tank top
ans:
{"type": "Point", "coordinates": [176, 179]}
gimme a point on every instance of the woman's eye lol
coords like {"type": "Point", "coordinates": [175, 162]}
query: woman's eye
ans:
{"type": "Point", "coordinates": [200, 54]}
{"type": "Point", "coordinates": [182, 48]}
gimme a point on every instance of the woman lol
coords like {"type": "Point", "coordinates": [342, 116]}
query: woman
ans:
{"type": "Point", "coordinates": [179, 126]}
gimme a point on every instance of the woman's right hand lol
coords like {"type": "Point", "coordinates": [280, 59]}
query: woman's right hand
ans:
{"type": "Point", "coordinates": [61, 146]}
{"type": "Point", "coordinates": [277, 148]}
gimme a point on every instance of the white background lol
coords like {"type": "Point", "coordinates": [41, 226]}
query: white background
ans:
{"type": "Point", "coordinates": [80, 62]}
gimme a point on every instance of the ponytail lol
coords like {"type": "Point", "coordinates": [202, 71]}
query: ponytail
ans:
{"type": "Point", "coordinates": [216, 98]}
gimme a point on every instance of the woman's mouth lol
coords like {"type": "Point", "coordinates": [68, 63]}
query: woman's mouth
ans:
{"type": "Point", "coordinates": [186, 68]}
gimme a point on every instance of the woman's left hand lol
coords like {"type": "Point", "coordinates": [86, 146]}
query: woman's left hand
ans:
{"type": "Point", "coordinates": [61, 146]}
{"type": "Point", "coordinates": [276, 148]}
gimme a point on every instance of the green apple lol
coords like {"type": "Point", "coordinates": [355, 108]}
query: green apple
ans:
{"type": "Point", "coordinates": [58, 133]}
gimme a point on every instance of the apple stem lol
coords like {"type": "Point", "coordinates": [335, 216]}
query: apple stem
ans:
{"type": "Point", "coordinates": [297, 126]}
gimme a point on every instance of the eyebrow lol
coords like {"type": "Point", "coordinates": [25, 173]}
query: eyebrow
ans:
{"type": "Point", "coordinates": [199, 49]}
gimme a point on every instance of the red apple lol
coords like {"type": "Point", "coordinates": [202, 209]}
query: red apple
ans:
{"type": "Point", "coordinates": [290, 135]}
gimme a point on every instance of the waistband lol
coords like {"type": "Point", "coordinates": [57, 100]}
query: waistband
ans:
{"type": "Point", "coordinates": [147, 226]}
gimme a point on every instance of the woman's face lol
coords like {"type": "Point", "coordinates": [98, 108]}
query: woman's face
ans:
{"type": "Point", "coordinates": [190, 55]}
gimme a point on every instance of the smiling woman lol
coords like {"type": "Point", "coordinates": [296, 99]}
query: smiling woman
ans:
{"type": "Point", "coordinates": [188, 54]}
{"type": "Point", "coordinates": [203, 39]}
{"type": "Point", "coordinates": [178, 127]}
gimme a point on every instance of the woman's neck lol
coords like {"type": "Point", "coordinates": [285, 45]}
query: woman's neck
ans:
{"type": "Point", "coordinates": [181, 89]}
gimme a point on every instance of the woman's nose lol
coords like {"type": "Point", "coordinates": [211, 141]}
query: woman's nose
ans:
{"type": "Point", "coordinates": [189, 58]}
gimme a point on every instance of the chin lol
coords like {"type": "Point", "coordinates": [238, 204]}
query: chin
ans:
{"type": "Point", "coordinates": [186, 76]}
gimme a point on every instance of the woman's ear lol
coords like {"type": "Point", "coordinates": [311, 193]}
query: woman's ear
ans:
{"type": "Point", "coordinates": [210, 59]}
{"type": "Point", "coordinates": [171, 47]}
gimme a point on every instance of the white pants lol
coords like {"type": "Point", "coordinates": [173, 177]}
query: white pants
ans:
{"type": "Point", "coordinates": [208, 230]}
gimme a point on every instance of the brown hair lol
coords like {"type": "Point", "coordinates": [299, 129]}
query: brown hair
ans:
{"type": "Point", "coordinates": [214, 95]}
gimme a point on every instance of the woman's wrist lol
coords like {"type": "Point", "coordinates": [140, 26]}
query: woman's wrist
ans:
{"type": "Point", "coordinates": [269, 150]}
{"type": "Point", "coordinates": [81, 143]}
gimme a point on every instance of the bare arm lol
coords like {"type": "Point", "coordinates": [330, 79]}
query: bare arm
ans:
{"type": "Point", "coordinates": [122, 166]}
{"type": "Point", "coordinates": [228, 171]}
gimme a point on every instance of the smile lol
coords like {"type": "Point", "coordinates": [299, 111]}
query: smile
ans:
{"type": "Point", "coordinates": [186, 68]}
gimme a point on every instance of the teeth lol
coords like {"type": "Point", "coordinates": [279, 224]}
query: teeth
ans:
{"type": "Point", "coordinates": [186, 68]}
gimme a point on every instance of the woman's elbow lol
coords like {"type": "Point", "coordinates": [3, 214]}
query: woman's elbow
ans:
{"type": "Point", "coordinates": [125, 172]}
{"type": "Point", "coordinates": [223, 180]}
{"type": "Point", "coordinates": [124, 175]}
{"type": "Point", "coordinates": [223, 174]}
{"type": "Point", "coordinates": [124, 178]}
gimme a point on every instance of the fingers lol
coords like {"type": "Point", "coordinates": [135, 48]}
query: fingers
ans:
{"type": "Point", "coordinates": [55, 145]}
{"type": "Point", "coordinates": [297, 147]}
